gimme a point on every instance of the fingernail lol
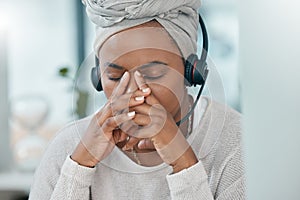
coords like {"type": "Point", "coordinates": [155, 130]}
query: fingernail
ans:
{"type": "Point", "coordinates": [138, 73]}
{"type": "Point", "coordinates": [141, 98]}
{"type": "Point", "coordinates": [140, 144]}
{"type": "Point", "coordinates": [145, 90]}
{"type": "Point", "coordinates": [124, 75]}
{"type": "Point", "coordinates": [131, 114]}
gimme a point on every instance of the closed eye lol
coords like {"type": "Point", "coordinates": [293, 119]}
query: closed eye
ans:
{"type": "Point", "coordinates": [153, 76]}
{"type": "Point", "coordinates": [114, 79]}
{"type": "Point", "coordinates": [151, 71]}
{"type": "Point", "coordinates": [154, 72]}
{"type": "Point", "coordinates": [113, 71]}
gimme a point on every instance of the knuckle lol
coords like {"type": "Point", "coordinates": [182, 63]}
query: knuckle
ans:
{"type": "Point", "coordinates": [96, 120]}
{"type": "Point", "coordinates": [110, 122]}
{"type": "Point", "coordinates": [112, 104]}
{"type": "Point", "coordinates": [98, 115]}
{"type": "Point", "coordinates": [137, 93]}
{"type": "Point", "coordinates": [125, 126]}
{"type": "Point", "coordinates": [113, 107]}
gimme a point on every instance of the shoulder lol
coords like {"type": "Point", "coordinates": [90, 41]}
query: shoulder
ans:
{"type": "Point", "coordinates": [227, 118]}
{"type": "Point", "coordinates": [227, 144]}
{"type": "Point", "coordinates": [230, 121]}
{"type": "Point", "coordinates": [224, 159]}
{"type": "Point", "coordinates": [222, 111]}
{"type": "Point", "coordinates": [67, 138]}
{"type": "Point", "coordinates": [222, 129]}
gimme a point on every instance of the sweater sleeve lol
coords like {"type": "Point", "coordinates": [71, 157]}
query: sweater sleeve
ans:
{"type": "Point", "coordinates": [58, 177]}
{"type": "Point", "coordinates": [192, 183]}
{"type": "Point", "coordinates": [73, 182]}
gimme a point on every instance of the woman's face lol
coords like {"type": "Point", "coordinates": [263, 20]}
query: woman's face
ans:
{"type": "Point", "coordinates": [151, 51]}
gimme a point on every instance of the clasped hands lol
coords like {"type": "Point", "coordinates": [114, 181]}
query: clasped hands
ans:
{"type": "Point", "coordinates": [139, 115]}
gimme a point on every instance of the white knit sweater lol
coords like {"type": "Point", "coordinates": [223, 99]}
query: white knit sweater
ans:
{"type": "Point", "coordinates": [219, 174]}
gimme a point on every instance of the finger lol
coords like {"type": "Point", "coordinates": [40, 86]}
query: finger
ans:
{"type": "Point", "coordinates": [146, 109]}
{"type": "Point", "coordinates": [129, 127]}
{"type": "Point", "coordinates": [135, 98]}
{"type": "Point", "coordinates": [121, 88]}
{"type": "Point", "coordinates": [103, 114]}
{"type": "Point", "coordinates": [131, 143]}
{"type": "Point", "coordinates": [117, 135]}
{"type": "Point", "coordinates": [112, 123]}
{"type": "Point", "coordinates": [142, 92]}
{"type": "Point", "coordinates": [122, 139]}
{"type": "Point", "coordinates": [123, 136]}
{"type": "Point", "coordinates": [125, 101]}
{"type": "Point", "coordinates": [140, 81]}
{"type": "Point", "coordinates": [142, 120]}
{"type": "Point", "coordinates": [152, 100]}
{"type": "Point", "coordinates": [146, 144]}
{"type": "Point", "coordinates": [141, 109]}
{"type": "Point", "coordinates": [156, 122]}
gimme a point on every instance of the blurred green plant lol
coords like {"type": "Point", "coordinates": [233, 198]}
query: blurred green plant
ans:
{"type": "Point", "coordinates": [82, 96]}
{"type": "Point", "coordinates": [64, 71]}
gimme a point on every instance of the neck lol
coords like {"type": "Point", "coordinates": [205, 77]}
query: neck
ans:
{"type": "Point", "coordinates": [182, 112]}
{"type": "Point", "coordinates": [183, 108]}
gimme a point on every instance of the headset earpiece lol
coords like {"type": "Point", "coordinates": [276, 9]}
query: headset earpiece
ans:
{"type": "Point", "coordinates": [188, 69]}
{"type": "Point", "coordinates": [195, 71]}
{"type": "Point", "coordinates": [96, 81]}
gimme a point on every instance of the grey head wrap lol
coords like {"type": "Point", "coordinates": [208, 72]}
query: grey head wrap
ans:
{"type": "Point", "coordinates": [178, 17]}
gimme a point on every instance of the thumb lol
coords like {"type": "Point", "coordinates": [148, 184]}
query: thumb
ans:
{"type": "Point", "coordinates": [145, 144]}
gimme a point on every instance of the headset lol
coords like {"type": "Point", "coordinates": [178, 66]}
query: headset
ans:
{"type": "Point", "coordinates": [195, 72]}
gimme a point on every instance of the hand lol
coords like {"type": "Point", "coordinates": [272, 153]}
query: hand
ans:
{"type": "Point", "coordinates": [102, 133]}
{"type": "Point", "coordinates": [160, 131]}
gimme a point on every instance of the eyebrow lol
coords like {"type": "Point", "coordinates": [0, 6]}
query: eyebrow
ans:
{"type": "Point", "coordinates": [149, 64]}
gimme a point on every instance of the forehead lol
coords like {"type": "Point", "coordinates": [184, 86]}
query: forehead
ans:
{"type": "Point", "coordinates": [135, 39]}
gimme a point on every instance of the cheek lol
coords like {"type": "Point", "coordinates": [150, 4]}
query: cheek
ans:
{"type": "Point", "coordinates": [108, 87]}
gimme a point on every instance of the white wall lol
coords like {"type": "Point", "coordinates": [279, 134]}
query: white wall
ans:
{"type": "Point", "coordinates": [41, 39]}
{"type": "Point", "coordinates": [269, 61]}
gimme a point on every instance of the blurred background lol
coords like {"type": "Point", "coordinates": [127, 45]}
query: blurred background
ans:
{"type": "Point", "coordinates": [43, 44]}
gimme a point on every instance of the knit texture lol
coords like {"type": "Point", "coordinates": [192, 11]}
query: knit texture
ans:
{"type": "Point", "coordinates": [219, 174]}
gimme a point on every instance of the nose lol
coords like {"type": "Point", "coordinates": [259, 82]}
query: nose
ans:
{"type": "Point", "coordinates": [132, 86]}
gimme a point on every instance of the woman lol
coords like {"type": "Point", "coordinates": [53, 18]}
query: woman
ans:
{"type": "Point", "coordinates": [132, 147]}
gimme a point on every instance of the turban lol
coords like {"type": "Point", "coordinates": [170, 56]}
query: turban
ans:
{"type": "Point", "coordinates": [178, 17]}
